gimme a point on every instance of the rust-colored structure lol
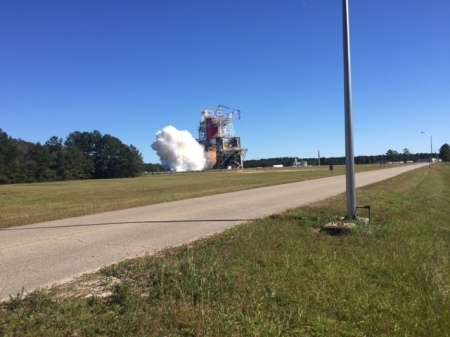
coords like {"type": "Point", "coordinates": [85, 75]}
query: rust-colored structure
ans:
{"type": "Point", "coordinates": [216, 133]}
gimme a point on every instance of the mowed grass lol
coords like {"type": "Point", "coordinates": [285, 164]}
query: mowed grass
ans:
{"type": "Point", "coordinates": [23, 204]}
{"type": "Point", "coordinates": [279, 276]}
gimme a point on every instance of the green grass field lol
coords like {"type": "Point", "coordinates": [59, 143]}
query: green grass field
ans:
{"type": "Point", "coordinates": [23, 204]}
{"type": "Point", "coordinates": [279, 276]}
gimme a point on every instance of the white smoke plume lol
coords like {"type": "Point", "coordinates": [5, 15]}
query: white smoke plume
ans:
{"type": "Point", "coordinates": [178, 150]}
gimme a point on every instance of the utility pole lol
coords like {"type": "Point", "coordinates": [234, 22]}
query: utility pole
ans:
{"type": "Point", "coordinates": [349, 154]}
{"type": "Point", "coordinates": [431, 146]}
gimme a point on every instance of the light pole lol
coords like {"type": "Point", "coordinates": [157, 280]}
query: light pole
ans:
{"type": "Point", "coordinates": [431, 146]}
{"type": "Point", "coordinates": [349, 155]}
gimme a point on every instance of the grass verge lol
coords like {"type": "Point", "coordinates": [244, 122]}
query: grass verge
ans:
{"type": "Point", "coordinates": [24, 204]}
{"type": "Point", "coordinates": [275, 277]}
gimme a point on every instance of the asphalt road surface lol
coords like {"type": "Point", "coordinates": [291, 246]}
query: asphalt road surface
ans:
{"type": "Point", "coordinates": [46, 253]}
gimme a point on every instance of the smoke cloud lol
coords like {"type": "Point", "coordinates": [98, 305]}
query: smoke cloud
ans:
{"type": "Point", "coordinates": [178, 150]}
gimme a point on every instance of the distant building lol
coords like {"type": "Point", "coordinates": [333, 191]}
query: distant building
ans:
{"type": "Point", "coordinates": [299, 163]}
{"type": "Point", "coordinates": [427, 160]}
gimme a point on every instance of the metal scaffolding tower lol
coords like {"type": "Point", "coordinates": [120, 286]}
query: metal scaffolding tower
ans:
{"type": "Point", "coordinates": [216, 134]}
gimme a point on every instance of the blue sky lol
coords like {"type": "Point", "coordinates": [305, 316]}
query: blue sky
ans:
{"type": "Point", "coordinates": [130, 68]}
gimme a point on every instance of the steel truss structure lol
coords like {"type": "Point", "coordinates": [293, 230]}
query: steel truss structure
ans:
{"type": "Point", "coordinates": [216, 134]}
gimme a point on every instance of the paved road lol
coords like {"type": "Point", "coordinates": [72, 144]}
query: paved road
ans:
{"type": "Point", "coordinates": [51, 252]}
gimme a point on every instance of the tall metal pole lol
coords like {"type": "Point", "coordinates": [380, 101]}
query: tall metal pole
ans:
{"type": "Point", "coordinates": [431, 140]}
{"type": "Point", "coordinates": [349, 155]}
{"type": "Point", "coordinates": [431, 145]}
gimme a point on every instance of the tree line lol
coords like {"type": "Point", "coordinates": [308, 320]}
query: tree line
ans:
{"type": "Point", "coordinates": [91, 155]}
{"type": "Point", "coordinates": [389, 156]}
{"type": "Point", "coordinates": [83, 155]}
